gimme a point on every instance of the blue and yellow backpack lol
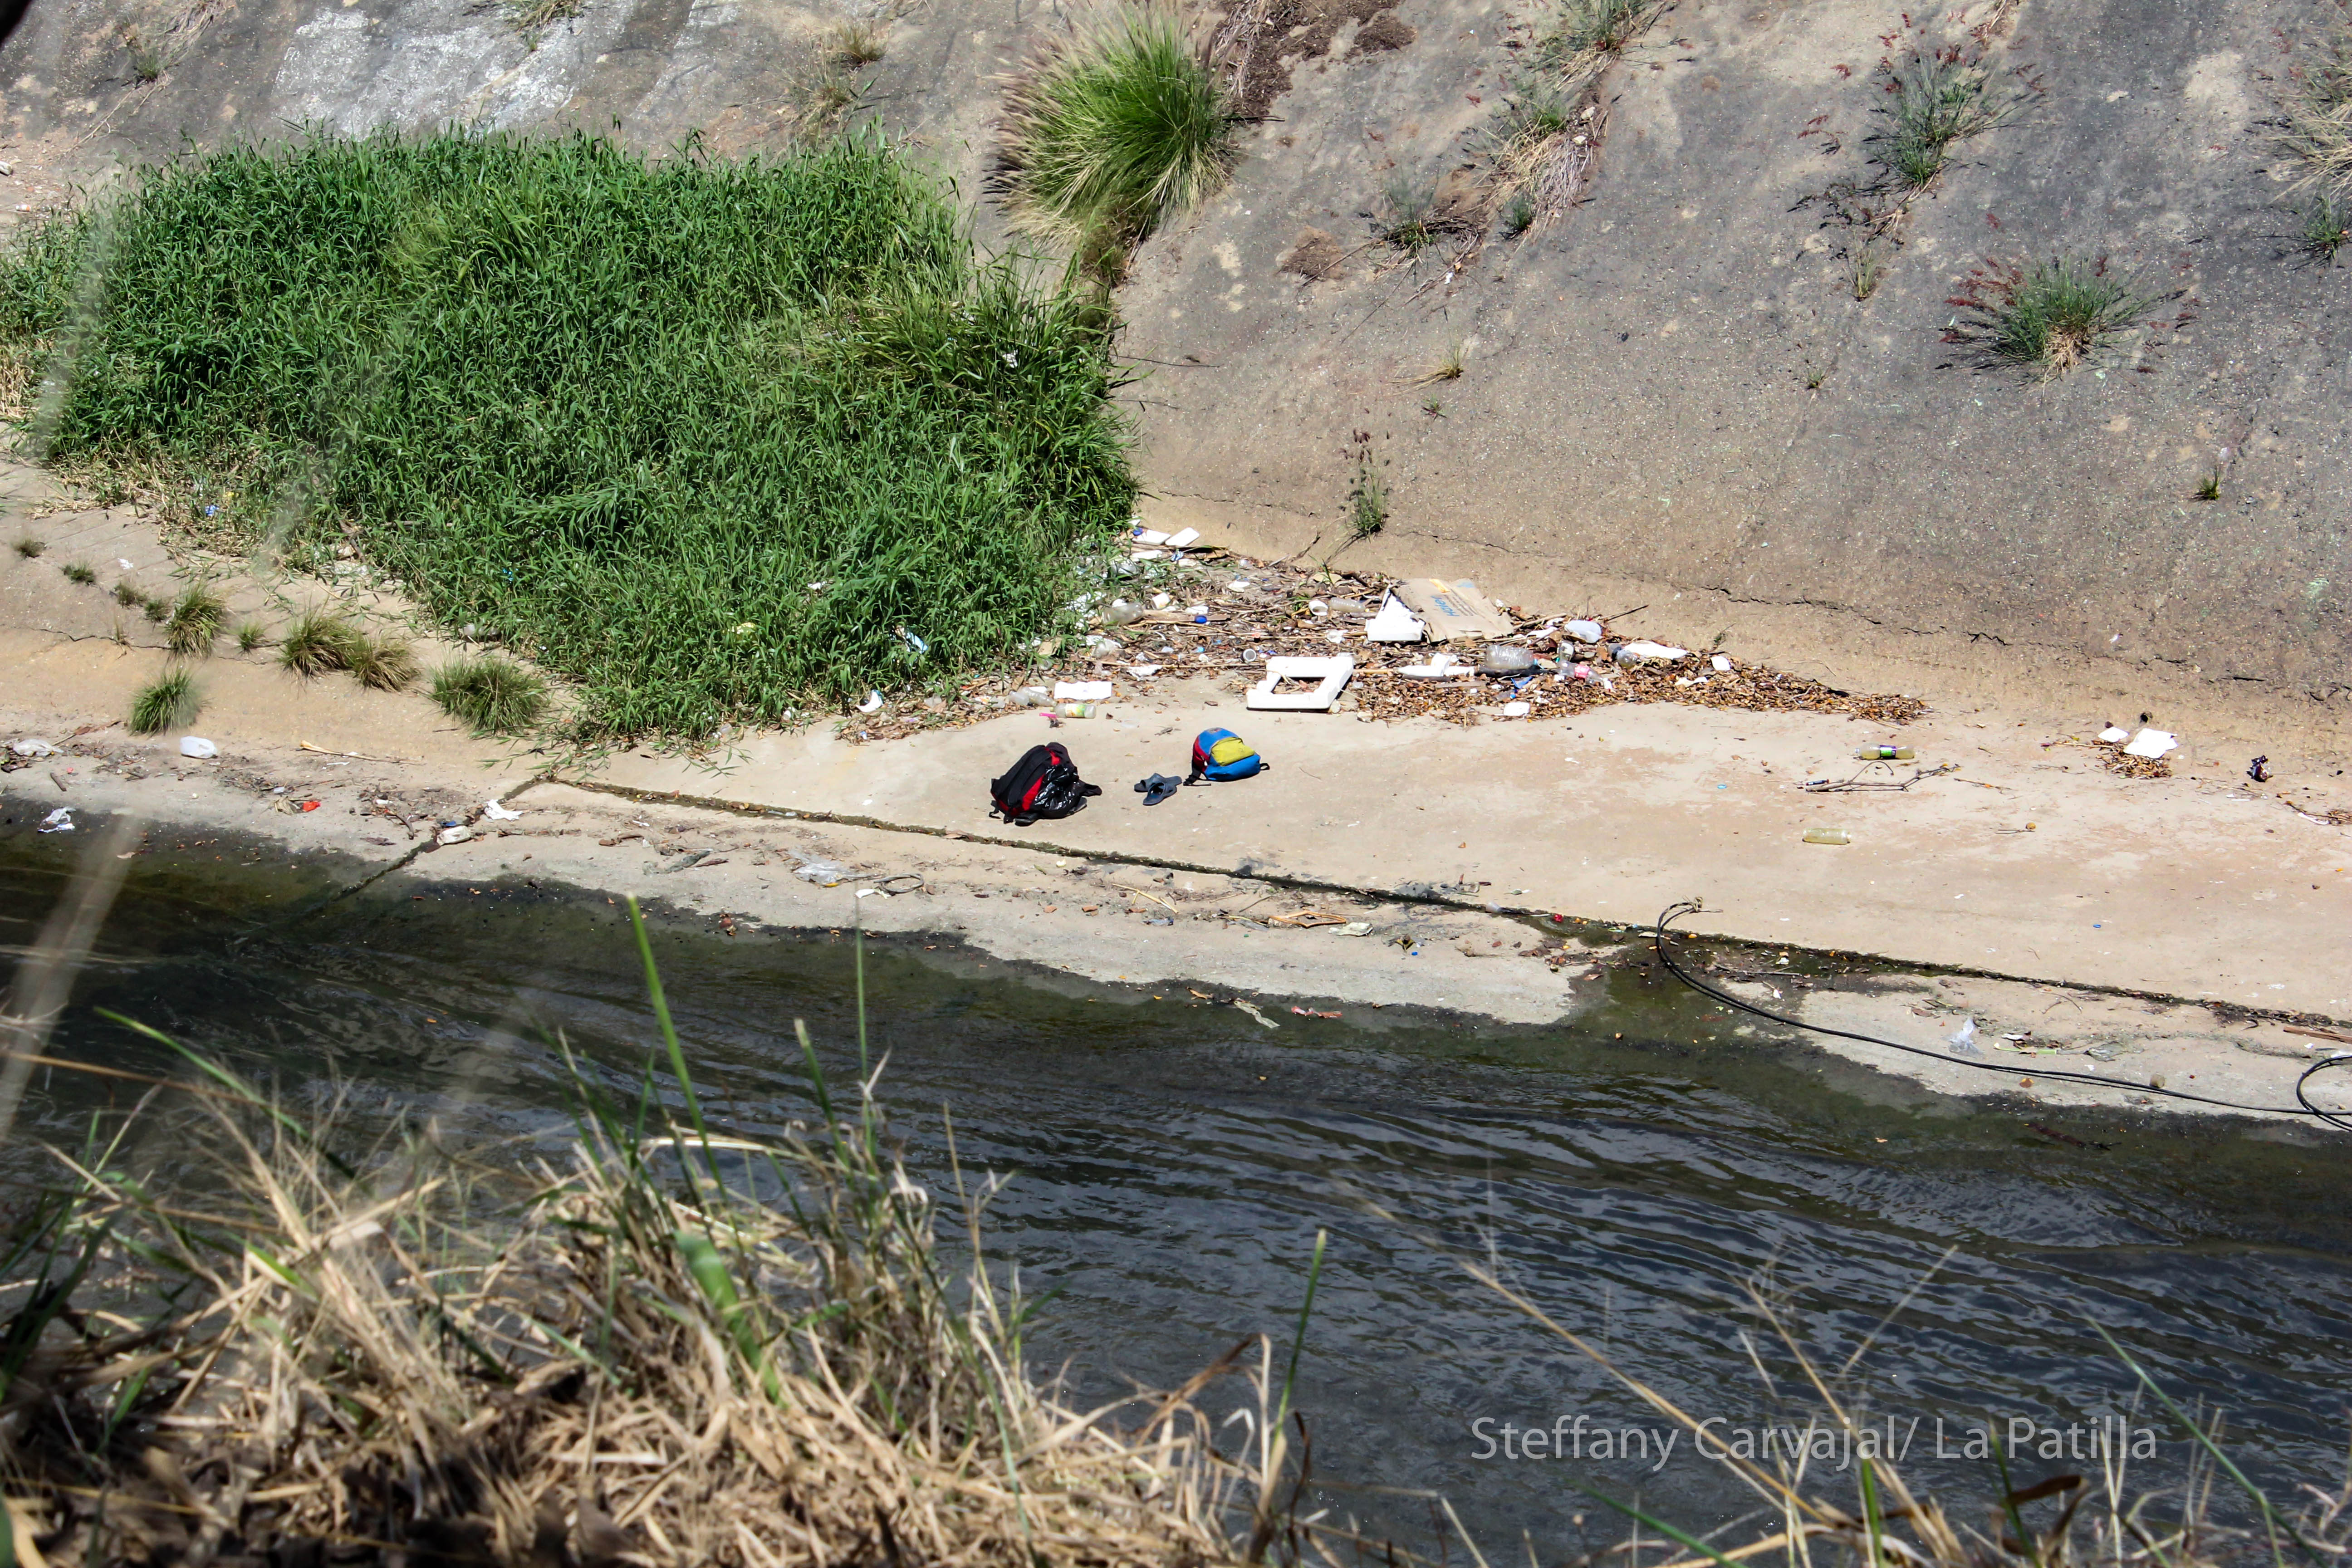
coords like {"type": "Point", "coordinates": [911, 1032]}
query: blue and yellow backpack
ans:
{"type": "Point", "coordinates": [1221, 756]}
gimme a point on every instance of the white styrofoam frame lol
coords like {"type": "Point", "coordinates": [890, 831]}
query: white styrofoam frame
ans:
{"type": "Point", "coordinates": [1333, 672]}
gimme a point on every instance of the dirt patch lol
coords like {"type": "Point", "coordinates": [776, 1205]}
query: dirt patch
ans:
{"type": "Point", "coordinates": [1382, 33]}
{"type": "Point", "coordinates": [1260, 41]}
{"type": "Point", "coordinates": [1313, 255]}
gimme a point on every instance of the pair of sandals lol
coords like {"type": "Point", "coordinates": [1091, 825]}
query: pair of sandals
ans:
{"type": "Point", "coordinates": [1158, 787]}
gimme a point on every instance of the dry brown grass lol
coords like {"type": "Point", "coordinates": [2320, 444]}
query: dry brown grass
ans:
{"type": "Point", "coordinates": [670, 1346]}
{"type": "Point", "coordinates": [2317, 122]}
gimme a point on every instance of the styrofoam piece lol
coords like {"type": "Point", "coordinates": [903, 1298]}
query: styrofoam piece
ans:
{"type": "Point", "coordinates": [1149, 536]}
{"type": "Point", "coordinates": [1395, 624]}
{"type": "Point", "coordinates": [1333, 673]}
{"type": "Point", "coordinates": [198, 747]}
{"type": "Point", "coordinates": [1183, 538]}
{"type": "Point", "coordinates": [1515, 709]}
{"type": "Point", "coordinates": [1081, 690]}
{"type": "Point", "coordinates": [1636, 652]}
{"type": "Point", "coordinates": [2151, 743]}
{"type": "Point", "coordinates": [1722, 664]}
{"type": "Point", "coordinates": [1584, 631]}
{"type": "Point", "coordinates": [1439, 667]}
{"type": "Point", "coordinates": [2111, 734]}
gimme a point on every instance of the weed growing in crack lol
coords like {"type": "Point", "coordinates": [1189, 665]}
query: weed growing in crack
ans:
{"type": "Point", "coordinates": [196, 621]}
{"type": "Point", "coordinates": [1584, 31]}
{"type": "Point", "coordinates": [2049, 317]}
{"type": "Point", "coordinates": [1536, 112]}
{"type": "Point", "coordinates": [1408, 225]}
{"type": "Point", "coordinates": [1932, 101]}
{"type": "Point", "coordinates": [1447, 369]}
{"type": "Point", "coordinates": [249, 636]}
{"type": "Point", "coordinates": [858, 44]}
{"type": "Point", "coordinates": [1865, 271]}
{"type": "Point", "coordinates": [2210, 486]}
{"type": "Point", "coordinates": [1519, 216]}
{"type": "Point", "coordinates": [30, 547]}
{"type": "Point", "coordinates": [164, 703]}
{"type": "Point", "coordinates": [77, 572]}
{"type": "Point", "coordinates": [2324, 228]}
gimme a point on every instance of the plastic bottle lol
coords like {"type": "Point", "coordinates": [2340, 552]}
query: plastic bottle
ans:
{"type": "Point", "coordinates": [1885, 753]}
{"type": "Point", "coordinates": [1828, 836]}
{"type": "Point", "coordinates": [1079, 709]}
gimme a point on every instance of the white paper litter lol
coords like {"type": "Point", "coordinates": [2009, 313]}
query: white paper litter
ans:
{"type": "Point", "coordinates": [1723, 664]}
{"type": "Point", "coordinates": [1395, 624]}
{"type": "Point", "coordinates": [1143, 672]}
{"type": "Point", "coordinates": [198, 746]}
{"type": "Point", "coordinates": [2111, 734]}
{"type": "Point", "coordinates": [1149, 536]}
{"type": "Point", "coordinates": [32, 748]}
{"type": "Point", "coordinates": [1635, 652]}
{"type": "Point", "coordinates": [1584, 631]}
{"type": "Point", "coordinates": [58, 821]}
{"type": "Point", "coordinates": [1183, 538]}
{"type": "Point", "coordinates": [1082, 691]}
{"type": "Point", "coordinates": [2151, 743]}
{"type": "Point", "coordinates": [873, 703]}
{"type": "Point", "coordinates": [497, 812]}
{"type": "Point", "coordinates": [1515, 709]}
{"type": "Point", "coordinates": [455, 835]}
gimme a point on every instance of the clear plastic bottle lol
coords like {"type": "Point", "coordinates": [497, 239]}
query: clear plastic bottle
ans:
{"type": "Point", "coordinates": [1885, 753]}
{"type": "Point", "coordinates": [1828, 836]}
{"type": "Point", "coordinates": [1080, 710]}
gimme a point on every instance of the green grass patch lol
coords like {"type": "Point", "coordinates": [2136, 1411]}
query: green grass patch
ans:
{"type": "Point", "coordinates": [1932, 101]}
{"type": "Point", "coordinates": [30, 547]}
{"type": "Point", "coordinates": [164, 703]}
{"type": "Point", "coordinates": [613, 411]}
{"type": "Point", "coordinates": [196, 621]}
{"type": "Point", "coordinates": [320, 640]}
{"type": "Point", "coordinates": [2327, 225]}
{"type": "Point", "coordinates": [492, 696]}
{"type": "Point", "coordinates": [1584, 32]}
{"type": "Point", "coordinates": [77, 572]}
{"type": "Point", "coordinates": [1114, 128]}
{"type": "Point", "coordinates": [249, 636]}
{"type": "Point", "coordinates": [2051, 316]}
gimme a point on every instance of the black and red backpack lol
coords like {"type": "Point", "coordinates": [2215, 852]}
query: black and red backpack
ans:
{"type": "Point", "coordinates": [1044, 782]}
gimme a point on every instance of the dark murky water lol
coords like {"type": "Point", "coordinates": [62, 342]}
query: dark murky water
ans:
{"type": "Point", "coordinates": [1175, 1162]}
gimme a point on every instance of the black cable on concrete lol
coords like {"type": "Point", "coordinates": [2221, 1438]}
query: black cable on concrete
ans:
{"type": "Point", "coordinates": [2303, 1106]}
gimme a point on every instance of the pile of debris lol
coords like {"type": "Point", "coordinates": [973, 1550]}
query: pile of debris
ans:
{"type": "Point", "coordinates": [1409, 648]}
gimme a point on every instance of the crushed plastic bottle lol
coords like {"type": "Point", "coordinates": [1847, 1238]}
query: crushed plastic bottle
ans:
{"type": "Point", "coordinates": [1828, 836]}
{"type": "Point", "coordinates": [1963, 1042]}
{"type": "Point", "coordinates": [1502, 658]}
{"type": "Point", "coordinates": [1885, 753]}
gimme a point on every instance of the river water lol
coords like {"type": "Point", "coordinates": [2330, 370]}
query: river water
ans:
{"type": "Point", "coordinates": [1172, 1162]}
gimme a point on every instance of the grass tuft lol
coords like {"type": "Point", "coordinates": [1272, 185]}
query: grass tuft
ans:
{"type": "Point", "coordinates": [1367, 500]}
{"type": "Point", "coordinates": [77, 572]}
{"type": "Point", "coordinates": [1519, 216]}
{"type": "Point", "coordinates": [1865, 271]}
{"type": "Point", "coordinates": [127, 594]}
{"type": "Point", "coordinates": [856, 44]}
{"type": "Point", "coordinates": [2317, 122]}
{"type": "Point", "coordinates": [1583, 32]}
{"type": "Point", "coordinates": [1932, 101]}
{"type": "Point", "coordinates": [492, 696]}
{"type": "Point", "coordinates": [2049, 317]}
{"type": "Point", "coordinates": [384, 664]}
{"type": "Point", "coordinates": [159, 608]}
{"type": "Point", "coordinates": [30, 547]}
{"type": "Point", "coordinates": [2324, 227]}
{"type": "Point", "coordinates": [320, 640]}
{"type": "Point", "coordinates": [1116, 127]}
{"type": "Point", "coordinates": [164, 703]}
{"type": "Point", "coordinates": [1408, 225]}
{"type": "Point", "coordinates": [608, 410]}
{"type": "Point", "coordinates": [196, 621]}
{"type": "Point", "coordinates": [249, 636]}
{"type": "Point", "coordinates": [2210, 486]}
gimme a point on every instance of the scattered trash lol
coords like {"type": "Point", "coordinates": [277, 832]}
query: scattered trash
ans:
{"type": "Point", "coordinates": [1331, 673]}
{"type": "Point", "coordinates": [198, 746]}
{"type": "Point", "coordinates": [1083, 711]}
{"type": "Point", "coordinates": [1885, 753]}
{"type": "Point", "coordinates": [1827, 836]}
{"type": "Point", "coordinates": [1515, 709]}
{"type": "Point", "coordinates": [457, 835]}
{"type": "Point", "coordinates": [1585, 631]}
{"type": "Point", "coordinates": [1306, 919]}
{"type": "Point", "coordinates": [32, 748]}
{"type": "Point", "coordinates": [2259, 770]}
{"type": "Point", "coordinates": [1440, 666]}
{"type": "Point", "coordinates": [1182, 539]}
{"type": "Point", "coordinates": [824, 873]}
{"type": "Point", "coordinates": [2103, 1052]}
{"type": "Point", "coordinates": [1658, 652]}
{"type": "Point", "coordinates": [1219, 756]}
{"type": "Point", "coordinates": [497, 812]}
{"type": "Point", "coordinates": [1158, 787]}
{"type": "Point", "coordinates": [1505, 658]}
{"type": "Point", "coordinates": [1311, 1013]}
{"type": "Point", "coordinates": [1858, 784]}
{"type": "Point", "coordinates": [1452, 609]}
{"type": "Point", "coordinates": [1082, 690]}
{"type": "Point", "coordinates": [1161, 601]}
{"type": "Point", "coordinates": [1044, 782]}
{"type": "Point", "coordinates": [2111, 734]}
{"type": "Point", "coordinates": [1357, 928]}
{"type": "Point", "coordinates": [1198, 615]}
{"type": "Point", "coordinates": [1395, 624]}
{"type": "Point", "coordinates": [1244, 1004]}
{"type": "Point", "coordinates": [58, 821]}
{"type": "Point", "coordinates": [912, 641]}
{"type": "Point", "coordinates": [2151, 744]}
{"type": "Point", "coordinates": [1722, 664]}
{"type": "Point", "coordinates": [1143, 672]}
{"type": "Point", "coordinates": [873, 703]}
{"type": "Point", "coordinates": [1149, 536]}
{"type": "Point", "coordinates": [1963, 1042]}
